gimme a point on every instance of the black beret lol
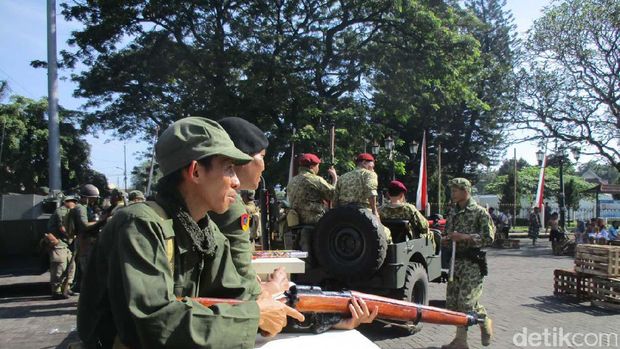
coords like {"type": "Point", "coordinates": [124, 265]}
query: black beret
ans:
{"type": "Point", "coordinates": [247, 137]}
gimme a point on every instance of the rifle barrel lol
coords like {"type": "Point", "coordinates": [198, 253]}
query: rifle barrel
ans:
{"type": "Point", "coordinates": [389, 309]}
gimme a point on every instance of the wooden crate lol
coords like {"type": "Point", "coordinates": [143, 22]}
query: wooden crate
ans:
{"type": "Point", "coordinates": [605, 293]}
{"type": "Point", "coordinates": [568, 283]}
{"type": "Point", "coordinates": [600, 260]}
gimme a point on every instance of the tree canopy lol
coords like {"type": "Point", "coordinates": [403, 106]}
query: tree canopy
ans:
{"type": "Point", "coordinates": [373, 68]}
{"type": "Point", "coordinates": [23, 154]}
{"type": "Point", "coordinates": [570, 83]}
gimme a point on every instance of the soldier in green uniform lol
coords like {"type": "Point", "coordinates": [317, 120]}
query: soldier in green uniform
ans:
{"type": "Point", "coordinates": [359, 187]}
{"type": "Point", "coordinates": [253, 215]}
{"type": "Point", "coordinates": [61, 262]}
{"type": "Point", "coordinates": [86, 227]}
{"type": "Point", "coordinates": [235, 223]}
{"type": "Point", "coordinates": [153, 257]}
{"type": "Point", "coordinates": [307, 194]}
{"type": "Point", "coordinates": [471, 227]}
{"type": "Point", "coordinates": [398, 208]}
{"type": "Point", "coordinates": [136, 196]}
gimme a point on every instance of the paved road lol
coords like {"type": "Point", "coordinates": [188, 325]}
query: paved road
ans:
{"type": "Point", "coordinates": [518, 294]}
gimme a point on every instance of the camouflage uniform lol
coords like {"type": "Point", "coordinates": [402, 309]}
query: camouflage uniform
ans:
{"type": "Point", "coordinates": [254, 213]}
{"type": "Point", "coordinates": [60, 255]}
{"type": "Point", "coordinates": [464, 292]}
{"type": "Point", "coordinates": [356, 187]}
{"type": "Point", "coordinates": [419, 224]}
{"type": "Point", "coordinates": [306, 193]}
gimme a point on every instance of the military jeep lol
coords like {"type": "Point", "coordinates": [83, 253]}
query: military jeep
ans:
{"type": "Point", "coordinates": [351, 251]}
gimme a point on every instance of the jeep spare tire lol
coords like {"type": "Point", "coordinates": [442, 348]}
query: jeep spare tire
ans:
{"type": "Point", "coordinates": [350, 243]}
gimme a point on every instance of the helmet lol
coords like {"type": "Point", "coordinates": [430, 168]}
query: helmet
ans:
{"type": "Point", "coordinates": [89, 191]}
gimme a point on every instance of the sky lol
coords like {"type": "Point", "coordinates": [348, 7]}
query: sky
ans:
{"type": "Point", "coordinates": [23, 39]}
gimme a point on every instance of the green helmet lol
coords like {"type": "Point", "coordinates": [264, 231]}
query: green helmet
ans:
{"type": "Point", "coordinates": [89, 191]}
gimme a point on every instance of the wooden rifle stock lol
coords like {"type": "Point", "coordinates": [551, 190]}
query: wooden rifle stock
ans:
{"type": "Point", "coordinates": [310, 299]}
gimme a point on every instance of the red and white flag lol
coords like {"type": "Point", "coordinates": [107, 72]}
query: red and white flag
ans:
{"type": "Point", "coordinates": [541, 185]}
{"type": "Point", "coordinates": [422, 195]}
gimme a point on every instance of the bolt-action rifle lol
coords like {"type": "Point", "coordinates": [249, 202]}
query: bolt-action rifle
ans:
{"type": "Point", "coordinates": [328, 307]}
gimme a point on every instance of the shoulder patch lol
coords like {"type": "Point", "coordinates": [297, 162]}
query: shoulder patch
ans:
{"type": "Point", "coordinates": [245, 221]}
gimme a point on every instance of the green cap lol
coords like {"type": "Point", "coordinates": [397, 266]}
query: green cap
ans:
{"type": "Point", "coordinates": [136, 194]}
{"type": "Point", "coordinates": [194, 138]}
{"type": "Point", "coordinates": [69, 198]}
{"type": "Point", "coordinates": [460, 183]}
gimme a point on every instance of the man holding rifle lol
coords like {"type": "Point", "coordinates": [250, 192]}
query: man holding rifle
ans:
{"type": "Point", "coordinates": [471, 228]}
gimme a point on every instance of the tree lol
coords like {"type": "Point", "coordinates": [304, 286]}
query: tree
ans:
{"type": "Point", "coordinates": [23, 158]}
{"type": "Point", "coordinates": [284, 65]}
{"type": "Point", "coordinates": [527, 179]}
{"type": "Point", "coordinates": [570, 89]}
{"type": "Point", "coordinates": [605, 171]}
{"type": "Point", "coordinates": [140, 176]}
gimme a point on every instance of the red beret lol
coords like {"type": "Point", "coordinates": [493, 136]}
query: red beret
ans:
{"type": "Point", "coordinates": [397, 185]}
{"type": "Point", "coordinates": [308, 159]}
{"type": "Point", "coordinates": [365, 157]}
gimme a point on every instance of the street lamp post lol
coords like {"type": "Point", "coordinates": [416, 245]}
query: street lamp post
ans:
{"type": "Point", "coordinates": [413, 149]}
{"type": "Point", "coordinates": [562, 202]}
{"type": "Point", "coordinates": [389, 145]}
{"type": "Point", "coordinates": [374, 148]}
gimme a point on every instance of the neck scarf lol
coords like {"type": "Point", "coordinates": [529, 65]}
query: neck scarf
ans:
{"type": "Point", "coordinates": [199, 232]}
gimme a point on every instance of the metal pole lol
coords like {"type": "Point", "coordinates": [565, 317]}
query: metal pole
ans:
{"type": "Point", "coordinates": [262, 201]}
{"type": "Point", "coordinates": [53, 141]}
{"type": "Point", "coordinates": [562, 204]}
{"type": "Point", "coordinates": [125, 166]}
{"type": "Point", "coordinates": [439, 180]}
{"type": "Point", "coordinates": [514, 209]}
{"type": "Point", "coordinates": [150, 181]}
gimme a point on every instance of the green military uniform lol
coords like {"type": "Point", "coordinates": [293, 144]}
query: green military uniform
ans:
{"type": "Point", "coordinates": [307, 192]}
{"type": "Point", "coordinates": [356, 187]}
{"type": "Point", "coordinates": [60, 255]}
{"type": "Point", "coordinates": [234, 227]}
{"type": "Point", "coordinates": [406, 211]}
{"type": "Point", "coordinates": [87, 235]}
{"type": "Point", "coordinates": [254, 214]}
{"type": "Point", "coordinates": [464, 292]}
{"type": "Point", "coordinates": [131, 292]}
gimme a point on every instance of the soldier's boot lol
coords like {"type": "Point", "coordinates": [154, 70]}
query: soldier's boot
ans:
{"type": "Point", "coordinates": [486, 331]}
{"type": "Point", "coordinates": [459, 341]}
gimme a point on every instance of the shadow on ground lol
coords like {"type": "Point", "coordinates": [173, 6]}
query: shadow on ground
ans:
{"type": "Point", "coordinates": [559, 305]}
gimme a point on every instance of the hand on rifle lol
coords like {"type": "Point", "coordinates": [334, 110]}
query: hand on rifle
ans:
{"type": "Point", "coordinates": [273, 316]}
{"type": "Point", "coordinates": [278, 282]}
{"type": "Point", "coordinates": [332, 173]}
{"type": "Point", "coordinates": [458, 237]}
{"type": "Point", "coordinates": [359, 315]}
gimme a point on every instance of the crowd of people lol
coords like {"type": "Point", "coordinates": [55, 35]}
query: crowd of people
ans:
{"type": "Point", "coordinates": [593, 231]}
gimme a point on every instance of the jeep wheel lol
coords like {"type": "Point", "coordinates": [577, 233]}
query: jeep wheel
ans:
{"type": "Point", "coordinates": [415, 290]}
{"type": "Point", "coordinates": [350, 243]}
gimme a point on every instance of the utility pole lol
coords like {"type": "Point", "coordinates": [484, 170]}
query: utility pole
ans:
{"type": "Point", "coordinates": [150, 181]}
{"type": "Point", "coordinates": [53, 142]}
{"type": "Point", "coordinates": [125, 167]}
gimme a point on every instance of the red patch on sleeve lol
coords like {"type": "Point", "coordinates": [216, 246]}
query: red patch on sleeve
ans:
{"type": "Point", "coordinates": [245, 221]}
